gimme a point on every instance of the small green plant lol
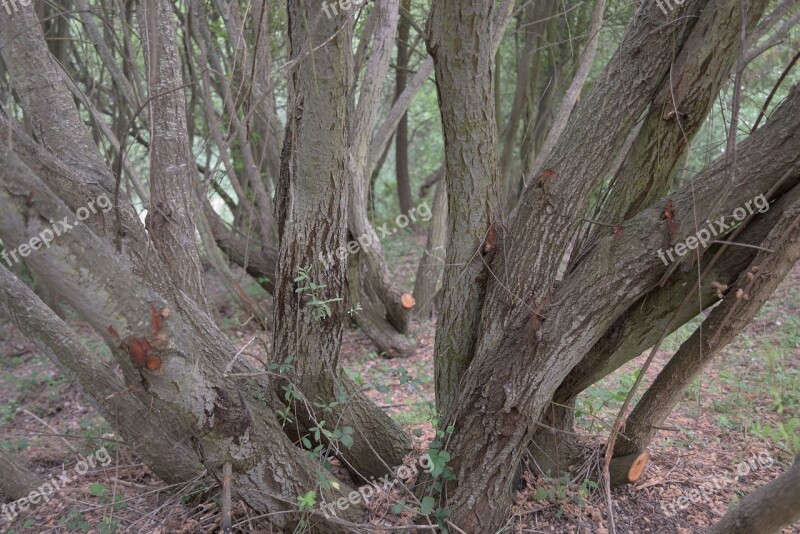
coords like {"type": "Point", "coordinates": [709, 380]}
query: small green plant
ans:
{"type": "Point", "coordinates": [786, 434]}
{"type": "Point", "coordinates": [561, 488]}
{"type": "Point", "coordinates": [307, 502]}
{"type": "Point", "coordinates": [320, 309]}
{"type": "Point", "coordinates": [108, 525]}
{"type": "Point", "coordinates": [99, 491]}
{"type": "Point", "coordinates": [75, 522]}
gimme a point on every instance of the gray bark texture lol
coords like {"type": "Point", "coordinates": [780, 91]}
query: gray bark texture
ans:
{"type": "Point", "coordinates": [312, 207]}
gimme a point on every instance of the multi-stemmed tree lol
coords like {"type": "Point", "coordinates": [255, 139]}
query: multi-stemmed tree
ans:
{"type": "Point", "coordinates": [551, 277]}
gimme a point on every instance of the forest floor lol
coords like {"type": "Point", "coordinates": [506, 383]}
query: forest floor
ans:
{"type": "Point", "coordinates": [737, 428]}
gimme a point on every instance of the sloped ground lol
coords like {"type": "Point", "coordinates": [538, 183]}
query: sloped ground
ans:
{"type": "Point", "coordinates": [746, 408]}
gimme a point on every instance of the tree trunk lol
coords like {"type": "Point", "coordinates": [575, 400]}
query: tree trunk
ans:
{"type": "Point", "coordinates": [401, 137]}
{"type": "Point", "coordinates": [432, 262]}
{"type": "Point", "coordinates": [691, 86]}
{"type": "Point", "coordinates": [162, 446]}
{"type": "Point", "coordinates": [531, 21]}
{"type": "Point", "coordinates": [519, 328]}
{"type": "Point", "coordinates": [460, 42]}
{"type": "Point", "coordinates": [16, 480]}
{"type": "Point", "coordinates": [312, 220]}
{"type": "Point", "coordinates": [767, 509]}
{"type": "Point", "coordinates": [175, 360]}
{"type": "Point", "coordinates": [173, 199]}
{"type": "Point", "coordinates": [371, 319]}
{"type": "Point", "coordinates": [359, 165]}
{"type": "Point", "coordinates": [574, 91]}
{"type": "Point", "coordinates": [600, 299]}
{"type": "Point", "coordinates": [742, 301]}
{"type": "Point", "coordinates": [678, 111]}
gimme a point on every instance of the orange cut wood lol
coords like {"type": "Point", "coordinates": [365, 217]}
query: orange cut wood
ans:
{"type": "Point", "coordinates": [153, 363]}
{"type": "Point", "coordinates": [407, 300]}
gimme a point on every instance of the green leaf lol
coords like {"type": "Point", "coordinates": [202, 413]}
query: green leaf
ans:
{"type": "Point", "coordinates": [540, 493]}
{"type": "Point", "coordinates": [97, 489]}
{"type": "Point", "coordinates": [428, 503]}
{"type": "Point", "coordinates": [397, 509]}
{"type": "Point", "coordinates": [307, 501]}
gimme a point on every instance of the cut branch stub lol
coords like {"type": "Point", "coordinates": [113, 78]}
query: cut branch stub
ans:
{"type": "Point", "coordinates": [628, 469]}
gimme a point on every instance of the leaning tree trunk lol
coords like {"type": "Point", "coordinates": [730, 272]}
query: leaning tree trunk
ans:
{"type": "Point", "coordinates": [363, 118]}
{"type": "Point", "coordinates": [676, 114]}
{"type": "Point", "coordinates": [70, 165]}
{"type": "Point", "coordinates": [742, 301]}
{"type": "Point", "coordinates": [16, 480]}
{"type": "Point", "coordinates": [163, 447]}
{"type": "Point", "coordinates": [174, 358]}
{"type": "Point", "coordinates": [312, 220]}
{"type": "Point", "coordinates": [371, 318]}
{"type": "Point", "coordinates": [767, 509]}
{"type": "Point", "coordinates": [635, 330]}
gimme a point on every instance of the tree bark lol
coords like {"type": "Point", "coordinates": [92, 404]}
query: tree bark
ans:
{"type": "Point", "coordinates": [401, 137]}
{"type": "Point", "coordinates": [164, 450]}
{"type": "Point", "coordinates": [742, 301]}
{"type": "Point", "coordinates": [431, 264]}
{"type": "Point", "coordinates": [491, 420]}
{"type": "Point", "coordinates": [460, 41]}
{"type": "Point", "coordinates": [371, 320]}
{"type": "Point", "coordinates": [16, 480]}
{"type": "Point", "coordinates": [312, 220]}
{"type": "Point", "coordinates": [678, 111]}
{"type": "Point", "coordinates": [173, 196]}
{"type": "Point", "coordinates": [767, 509]}
{"type": "Point", "coordinates": [183, 376]}
{"type": "Point", "coordinates": [382, 283]}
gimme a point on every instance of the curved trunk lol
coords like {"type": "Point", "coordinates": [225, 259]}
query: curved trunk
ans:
{"type": "Point", "coordinates": [360, 165]}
